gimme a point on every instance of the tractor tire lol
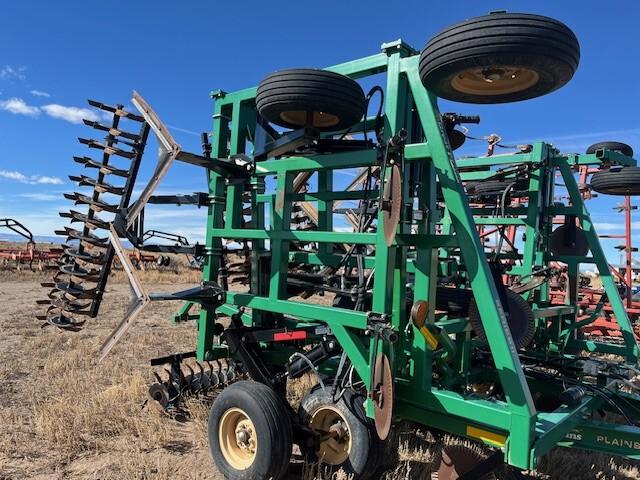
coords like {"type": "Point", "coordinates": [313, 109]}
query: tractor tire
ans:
{"type": "Point", "coordinates": [250, 434]}
{"type": "Point", "coordinates": [618, 181]}
{"type": "Point", "coordinates": [498, 58]}
{"type": "Point", "coordinates": [359, 452]}
{"type": "Point", "coordinates": [620, 147]}
{"type": "Point", "coordinates": [453, 300]}
{"type": "Point", "coordinates": [522, 323]}
{"type": "Point", "coordinates": [335, 101]}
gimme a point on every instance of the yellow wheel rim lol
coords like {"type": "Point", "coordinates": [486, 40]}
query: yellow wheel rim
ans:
{"type": "Point", "coordinates": [335, 435]}
{"type": "Point", "coordinates": [494, 80]}
{"type": "Point", "coordinates": [237, 438]}
{"type": "Point", "coordinates": [320, 119]}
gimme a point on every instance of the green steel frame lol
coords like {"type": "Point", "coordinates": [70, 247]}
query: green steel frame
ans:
{"type": "Point", "coordinates": [513, 424]}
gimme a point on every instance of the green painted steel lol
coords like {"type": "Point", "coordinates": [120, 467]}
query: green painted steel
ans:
{"type": "Point", "coordinates": [432, 383]}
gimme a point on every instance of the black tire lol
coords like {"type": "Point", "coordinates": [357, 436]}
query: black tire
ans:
{"type": "Point", "coordinates": [620, 147]}
{"type": "Point", "coordinates": [520, 318]}
{"type": "Point", "coordinates": [336, 101]}
{"type": "Point", "coordinates": [366, 448]}
{"type": "Point", "coordinates": [495, 188]}
{"type": "Point", "coordinates": [541, 52]}
{"type": "Point", "coordinates": [617, 181]}
{"type": "Point", "coordinates": [490, 187]}
{"type": "Point", "coordinates": [267, 412]}
{"type": "Point", "coordinates": [453, 300]}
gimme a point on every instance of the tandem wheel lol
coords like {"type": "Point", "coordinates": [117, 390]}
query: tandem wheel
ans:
{"type": "Point", "coordinates": [348, 439]}
{"type": "Point", "coordinates": [250, 433]}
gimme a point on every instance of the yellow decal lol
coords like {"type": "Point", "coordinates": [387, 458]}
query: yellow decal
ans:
{"type": "Point", "coordinates": [486, 436]}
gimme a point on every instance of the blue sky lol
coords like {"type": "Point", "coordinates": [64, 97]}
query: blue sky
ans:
{"type": "Point", "coordinates": [55, 55]}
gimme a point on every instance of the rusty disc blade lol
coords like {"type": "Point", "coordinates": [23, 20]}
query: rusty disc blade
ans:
{"type": "Point", "coordinates": [391, 204]}
{"type": "Point", "coordinates": [383, 396]}
{"type": "Point", "coordinates": [453, 461]}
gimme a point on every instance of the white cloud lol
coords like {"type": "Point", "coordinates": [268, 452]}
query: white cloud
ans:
{"type": "Point", "coordinates": [18, 106]}
{"type": "Point", "coordinates": [48, 180]}
{"type": "Point", "coordinates": [70, 114]}
{"type": "Point", "coordinates": [31, 179]}
{"type": "Point", "coordinates": [8, 72]}
{"type": "Point", "coordinates": [39, 93]}
{"type": "Point", "coordinates": [41, 197]}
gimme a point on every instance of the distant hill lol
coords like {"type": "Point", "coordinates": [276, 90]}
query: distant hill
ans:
{"type": "Point", "coordinates": [12, 237]}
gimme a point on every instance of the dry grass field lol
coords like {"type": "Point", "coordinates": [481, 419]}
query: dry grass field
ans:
{"type": "Point", "coordinates": [64, 416]}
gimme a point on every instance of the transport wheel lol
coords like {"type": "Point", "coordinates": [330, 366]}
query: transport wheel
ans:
{"type": "Point", "coordinates": [495, 188]}
{"type": "Point", "coordinates": [522, 324]}
{"type": "Point", "coordinates": [498, 58]}
{"type": "Point", "coordinates": [623, 148]}
{"type": "Point", "coordinates": [453, 300]}
{"type": "Point", "coordinates": [617, 181]}
{"type": "Point", "coordinates": [291, 97]}
{"type": "Point", "coordinates": [348, 439]}
{"type": "Point", "coordinates": [250, 432]}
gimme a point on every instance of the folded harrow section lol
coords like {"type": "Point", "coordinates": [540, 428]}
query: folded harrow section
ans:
{"type": "Point", "coordinates": [78, 286]}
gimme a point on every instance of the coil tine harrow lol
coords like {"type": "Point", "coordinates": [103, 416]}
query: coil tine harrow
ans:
{"type": "Point", "coordinates": [87, 256]}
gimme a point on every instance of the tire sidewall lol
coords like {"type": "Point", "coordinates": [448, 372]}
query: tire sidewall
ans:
{"type": "Point", "coordinates": [236, 397]}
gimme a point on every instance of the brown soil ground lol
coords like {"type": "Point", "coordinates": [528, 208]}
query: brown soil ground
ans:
{"type": "Point", "coordinates": [63, 416]}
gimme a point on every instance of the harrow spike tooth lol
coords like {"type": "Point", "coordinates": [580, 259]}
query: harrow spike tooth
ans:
{"type": "Point", "coordinates": [93, 222]}
{"type": "Point", "coordinates": [47, 284]}
{"type": "Point", "coordinates": [90, 238]}
{"type": "Point", "coordinates": [101, 167]}
{"type": "Point", "coordinates": [43, 302]}
{"type": "Point", "coordinates": [100, 187]}
{"type": "Point", "coordinates": [76, 178]}
{"type": "Point", "coordinates": [117, 110]}
{"type": "Point", "coordinates": [115, 132]}
{"type": "Point", "coordinates": [96, 205]}
{"type": "Point", "coordinates": [108, 149]}
{"type": "Point", "coordinates": [125, 142]}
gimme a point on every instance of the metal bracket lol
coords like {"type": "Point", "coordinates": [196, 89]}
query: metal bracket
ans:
{"type": "Point", "coordinates": [135, 305]}
{"type": "Point", "coordinates": [168, 151]}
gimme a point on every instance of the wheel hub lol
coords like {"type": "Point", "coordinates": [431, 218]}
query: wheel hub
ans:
{"type": "Point", "coordinates": [238, 439]}
{"type": "Point", "coordinates": [335, 440]}
{"type": "Point", "coordinates": [495, 80]}
{"type": "Point", "coordinates": [245, 438]}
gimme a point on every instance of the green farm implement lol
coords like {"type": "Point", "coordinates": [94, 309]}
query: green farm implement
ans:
{"type": "Point", "coordinates": [420, 289]}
